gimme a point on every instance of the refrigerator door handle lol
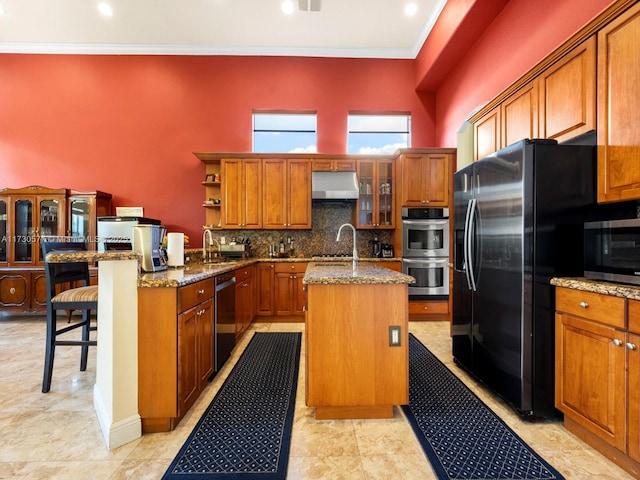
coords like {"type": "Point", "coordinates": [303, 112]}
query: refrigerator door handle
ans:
{"type": "Point", "coordinates": [465, 243]}
{"type": "Point", "coordinates": [471, 219]}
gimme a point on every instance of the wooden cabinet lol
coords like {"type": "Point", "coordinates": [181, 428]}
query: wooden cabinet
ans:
{"type": "Point", "coordinates": [426, 179]}
{"type": "Point", "coordinates": [28, 215]}
{"type": "Point", "coordinates": [487, 134]}
{"type": "Point", "coordinates": [333, 165]}
{"type": "Point", "coordinates": [520, 115]}
{"type": "Point", "coordinates": [265, 289]}
{"type": "Point", "coordinates": [286, 193]}
{"type": "Point", "coordinates": [567, 91]}
{"type": "Point", "coordinates": [289, 293]}
{"type": "Point", "coordinates": [428, 310]}
{"type": "Point", "coordinates": [245, 299]}
{"type": "Point", "coordinates": [375, 207]}
{"type": "Point", "coordinates": [179, 323]}
{"type": "Point", "coordinates": [598, 372]}
{"type": "Point", "coordinates": [213, 191]}
{"type": "Point", "coordinates": [618, 107]}
{"type": "Point", "coordinates": [241, 193]}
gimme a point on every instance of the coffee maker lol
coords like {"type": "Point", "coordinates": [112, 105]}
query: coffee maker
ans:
{"type": "Point", "coordinates": [147, 240]}
{"type": "Point", "coordinates": [376, 248]}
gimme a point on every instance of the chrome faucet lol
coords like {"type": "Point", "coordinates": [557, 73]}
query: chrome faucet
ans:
{"type": "Point", "coordinates": [355, 247]}
{"type": "Point", "coordinates": [206, 247]}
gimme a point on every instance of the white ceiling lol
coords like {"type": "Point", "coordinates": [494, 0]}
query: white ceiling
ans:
{"type": "Point", "coordinates": [343, 28]}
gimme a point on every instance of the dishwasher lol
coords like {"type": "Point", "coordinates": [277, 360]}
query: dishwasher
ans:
{"type": "Point", "coordinates": [224, 318]}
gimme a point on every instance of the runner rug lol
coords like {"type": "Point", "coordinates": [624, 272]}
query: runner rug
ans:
{"type": "Point", "coordinates": [461, 436]}
{"type": "Point", "coordinates": [245, 433]}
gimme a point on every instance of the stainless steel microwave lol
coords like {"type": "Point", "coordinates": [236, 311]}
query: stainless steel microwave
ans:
{"type": "Point", "coordinates": [612, 250]}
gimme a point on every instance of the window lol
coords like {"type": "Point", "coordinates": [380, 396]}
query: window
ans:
{"type": "Point", "coordinates": [378, 134]}
{"type": "Point", "coordinates": [284, 133]}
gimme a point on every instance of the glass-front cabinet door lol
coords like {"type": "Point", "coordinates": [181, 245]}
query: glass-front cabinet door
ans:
{"type": "Point", "coordinates": [23, 235]}
{"type": "Point", "coordinates": [3, 232]}
{"type": "Point", "coordinates": [50, 219]}
{"type": "Point", "coordinates": [80, 217]}
{"type": "Point", "coordinates": [375, 201]}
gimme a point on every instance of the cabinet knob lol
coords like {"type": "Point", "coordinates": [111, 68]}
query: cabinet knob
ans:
{"type": "Point", "coordinates": [584, 304]}
{"type": "Point", "coordinates": [200, 292]}
{"type": "Point", "coordinates": [12, 290]}
{"type": "Point", "coordinates": [617, 342]}
{"type": "Point", "coordinates": [631, 346]}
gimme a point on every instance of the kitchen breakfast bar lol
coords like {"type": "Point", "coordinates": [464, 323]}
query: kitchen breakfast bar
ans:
{"type": "Point", "coordinates": [357, 356]}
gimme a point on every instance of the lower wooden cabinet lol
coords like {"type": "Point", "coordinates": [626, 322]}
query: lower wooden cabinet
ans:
{"type": "Point", "coordinates": [245, 301]}
{"type": "Point", "coordinates": [289, 290]}
{"type": "Point", "coordinates": [23, 290]}
{"type": "Point", "coordinates": [175, 351]}
{"type": "Point", "coordinates": [265, 288]}
{"type": "Point", "coordinates": [428, 310]}
{"type": "Point", "coordinates": [598, 372]}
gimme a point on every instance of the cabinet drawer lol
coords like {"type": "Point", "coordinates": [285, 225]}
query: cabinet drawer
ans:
{"type": "Point", "coordinates": [428, 308]}
{"type": "Point", "coordinates": [594, 306]}
{"type": "Point", "coordinates": [193, 294]}
{"type": "Point", "coordinates": [292, 267]}
{"type": "Point", "coordinates": [634, 316]}
{"type": "Point", "coordinates": [244, 273]}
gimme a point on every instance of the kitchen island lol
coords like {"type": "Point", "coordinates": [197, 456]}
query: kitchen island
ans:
{"type": "Point", "coordinates": [357, 356]}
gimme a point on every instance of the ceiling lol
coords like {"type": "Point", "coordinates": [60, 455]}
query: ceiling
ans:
{"type": "Point", "coordinates": [342, 28]}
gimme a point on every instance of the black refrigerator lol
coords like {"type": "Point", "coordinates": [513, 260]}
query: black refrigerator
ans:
{"type": "Point", "coordinates": [518, 221]}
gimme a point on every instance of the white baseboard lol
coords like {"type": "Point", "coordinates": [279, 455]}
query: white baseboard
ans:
{"type": "Point", "coordinates": [115, 434]}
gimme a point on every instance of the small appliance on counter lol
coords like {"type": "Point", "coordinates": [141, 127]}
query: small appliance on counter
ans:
{"type": "Point", "coordinates": [376, 248]}
{"type": "Point", "coordinates": [147, 240]}
{"type": "Point", "coordinates": [234, 249]}
{"type": "Point", "coordinates": [116, 233]}
{"type": "Point", "coordinates": [387, 250]}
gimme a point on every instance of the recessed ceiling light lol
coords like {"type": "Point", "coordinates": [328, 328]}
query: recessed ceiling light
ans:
{"type": "Point", "coordinates": [410, 9]}
{"type": "Point", "coordinates": [105, 9]}
{"type": "Point", "coordinates": [288, 7]}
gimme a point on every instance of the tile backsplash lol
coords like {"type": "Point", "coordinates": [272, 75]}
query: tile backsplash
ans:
{"type": "Point", "coordinates": [321, 239]}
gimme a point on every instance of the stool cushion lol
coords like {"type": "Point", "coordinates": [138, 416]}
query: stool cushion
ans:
{"type": "Point", "coordinates": [80, 294]}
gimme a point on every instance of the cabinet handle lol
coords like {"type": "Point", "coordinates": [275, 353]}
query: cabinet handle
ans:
{"type": "Point", "coordinates": [584, 304]}
{"type": "Point", "coordinates": [617, 342]}
{"type": "Point", "coordinates": [200, 292]}
{"type": "Point", "coordinates": [631, 346]}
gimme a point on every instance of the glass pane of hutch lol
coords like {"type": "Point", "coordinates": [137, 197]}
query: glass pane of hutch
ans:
{"type": "Point", "coordinates": [24, 230]}
{"type": "Point", "coordinates": [3, 231]}
{"type": "Point", "coordinates": [365, 200]}
{"type": "Point", "coordinates": [385, 194]}
{"type": "Point", "coordinates": [48, 220]}
{"type": "Point", "coordinates": [80, 218]}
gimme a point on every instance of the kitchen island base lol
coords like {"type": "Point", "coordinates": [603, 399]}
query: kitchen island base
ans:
{"type": "Point", "coordinates": [352, 370]}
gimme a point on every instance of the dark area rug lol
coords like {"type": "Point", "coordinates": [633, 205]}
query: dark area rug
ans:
{"type": "Point", "coordinates": [245, 433]}
{"type": "Point", "coordinates": [461, 436]}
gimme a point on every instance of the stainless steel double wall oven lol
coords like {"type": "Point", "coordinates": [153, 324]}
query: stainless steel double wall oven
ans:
{"type": "Point", "coordinates": [425, 252]}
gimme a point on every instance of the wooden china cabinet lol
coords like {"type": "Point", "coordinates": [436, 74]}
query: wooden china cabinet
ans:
{"type": "Point", "coordinates": [26, 216]}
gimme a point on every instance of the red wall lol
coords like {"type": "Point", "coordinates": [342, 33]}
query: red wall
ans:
{"type": "Point", "coordinates": [128, 124]}
{"type": "Point", "coordinates": [524, 33]}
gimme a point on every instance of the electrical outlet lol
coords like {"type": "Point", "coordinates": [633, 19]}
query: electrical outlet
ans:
{"type": "Point", "coordinates": [394, 336]}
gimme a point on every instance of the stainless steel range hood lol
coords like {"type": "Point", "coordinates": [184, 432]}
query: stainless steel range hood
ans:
{"type": "Point", "coordinates": [334, 186]}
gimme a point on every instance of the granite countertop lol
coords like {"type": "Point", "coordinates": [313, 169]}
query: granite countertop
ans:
{"type": "Point", "coordinates": [330, 273]}
{"type": "Point", "coordinates": [598, 286]}
{"type": "Point", "coordinates": [87, 256]}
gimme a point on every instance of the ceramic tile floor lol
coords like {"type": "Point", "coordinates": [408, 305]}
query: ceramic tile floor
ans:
{"type": "Point", "coordinates": [56, 435]}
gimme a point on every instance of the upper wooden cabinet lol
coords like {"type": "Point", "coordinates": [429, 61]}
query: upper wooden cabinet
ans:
{"type": "Point", "coordinates": [487, 134]}
{"type": "Point", "coordinates": [519, 115]}
{"type": "Point", "coordinates": [375, 207]}
{"type": "Point", "coordinates": [331, 165]}
{"type": "Point", "coordinates": [241, 193]}
{"type": "Point", "coordinates": [286, 193]}
{"type": "Point", "coordinates": [567, 91]}
{"type": "Point", "coordinates": [618, 107]}
{"type": "Point", "coordinates": [425, 179]}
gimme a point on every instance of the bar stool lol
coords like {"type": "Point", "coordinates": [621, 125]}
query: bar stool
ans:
{"type": "Point", "coordinates": [84, 298]}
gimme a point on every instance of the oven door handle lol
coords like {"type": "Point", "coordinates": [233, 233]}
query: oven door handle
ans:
{"type": "Point", "coordinates": [469, 223]}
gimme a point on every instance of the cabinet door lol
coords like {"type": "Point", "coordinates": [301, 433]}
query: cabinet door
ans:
{"type": "Point", "coordinates": [299, 296]}
{"type": "Point", "coordinates": [4, 257]}
{"type": "Point", "coordinates": [15, 289]}
{"type": "Point", "coordinates": [38, 290]}
{"type": "Point", "coordinates": [205, 342]}
{"type": "Point", "coordinates": [633, 363]}
{"type": "Point", "coordinates": [188, 376]}
{"type": "Point", "coordinates": [299, 194]}
{"type": "Point", "coordinates": [265, 289]}
{"type": "Point", "coordinates": [413, 177]}
{"type": "Point", "coordinates": [274, 193]}
{"type": "Point", "coordinates": [520, 115]}
{"type": "Point", "coordinates": [283, 293]}
{"type": "Point", "coordinates": [232, 193]}
{"type": "Point", "coordinates": [487, 132]}
{"type": "Point", "coordinates": [568, 94]}
{"type": "Point", "coordinates": [438, 167]}
{"type": "Point", "coordinates": [590, 377]}
{"type": "Point", "coordinates": [252, 193]}
{"type": "Point", "coordinates": [618, 107]}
